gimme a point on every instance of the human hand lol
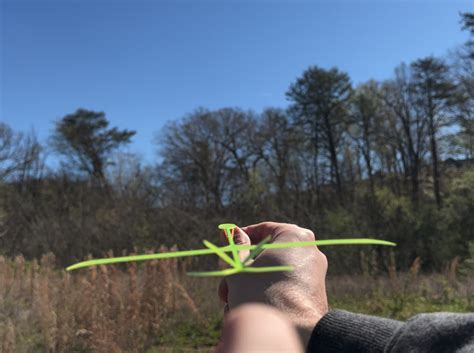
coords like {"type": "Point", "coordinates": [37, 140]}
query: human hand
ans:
{"type": "Point", "coordinates": [300, 294]}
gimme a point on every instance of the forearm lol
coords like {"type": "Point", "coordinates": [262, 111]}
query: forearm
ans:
{"type": "Point", "coordinates": [342, 331]}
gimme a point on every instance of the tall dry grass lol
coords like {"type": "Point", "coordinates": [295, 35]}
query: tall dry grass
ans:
{"type": "Point", "coordinates": [400, 295]}
{"type": "Point", "coordinates": [153, 307]}
{"type": "Point", "coordinates": [102, 309]}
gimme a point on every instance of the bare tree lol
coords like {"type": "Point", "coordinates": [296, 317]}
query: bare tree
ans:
{"type": "Point", "coordinates": [433, 96]}
{"type": "Point", "coordinates": [21, 155]}
{"type": "Point", "coordinates": [278, 141]}
{"type": "Point", "coordinates": [400, 101]}
{"type": "Point", "coordinates": [462, 73]}
{"type": "Point", "coordinates": [206, 157]}
{"type": "Point", "coordinates": [365, 124]}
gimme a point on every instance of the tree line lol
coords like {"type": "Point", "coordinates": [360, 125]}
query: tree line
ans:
{"type": "Point", "coordinates": [391, 159]}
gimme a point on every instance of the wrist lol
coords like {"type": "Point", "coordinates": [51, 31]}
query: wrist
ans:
{"type": "Point", "coordinates": [305, 325]}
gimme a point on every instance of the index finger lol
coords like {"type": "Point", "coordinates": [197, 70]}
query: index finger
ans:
{"type": "Point", "coordinates": [258, 232]}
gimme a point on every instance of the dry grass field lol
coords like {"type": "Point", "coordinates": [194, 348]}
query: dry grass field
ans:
{"type": "Point", "coordinates": [153, 307]}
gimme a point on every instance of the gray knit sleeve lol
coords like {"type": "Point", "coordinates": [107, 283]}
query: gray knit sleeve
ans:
{"type": "Point", "coordinates": [435, 333]}
{"type": "Point", "coordinates": [342, 331]}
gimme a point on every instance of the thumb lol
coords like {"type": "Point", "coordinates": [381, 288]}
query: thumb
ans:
{"type": "Point", "coordinates": [241, 238]}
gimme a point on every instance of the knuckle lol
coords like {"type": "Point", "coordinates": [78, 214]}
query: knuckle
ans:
{"type": "Point", "coordinates": [324, 259]}
{"type": "Point", "coordinates": [306, 235]}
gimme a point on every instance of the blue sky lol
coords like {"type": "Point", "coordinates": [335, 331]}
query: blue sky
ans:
{"type": "Point", "coordinates": [148, 62]}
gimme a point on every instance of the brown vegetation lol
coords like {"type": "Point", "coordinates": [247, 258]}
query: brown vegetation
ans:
{"type": "Point", "coordinates": [153, 307]}
{"type": "Point", "coordinates": [103, 309]}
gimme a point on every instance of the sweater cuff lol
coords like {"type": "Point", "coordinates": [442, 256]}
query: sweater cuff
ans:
{"type": "Point", "coordinates": [341, 331]}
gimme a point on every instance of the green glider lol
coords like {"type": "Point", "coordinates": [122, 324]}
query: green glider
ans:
{"type": "Point", "coordinates": [236, 264]}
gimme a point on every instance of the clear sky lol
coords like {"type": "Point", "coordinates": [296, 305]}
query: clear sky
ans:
{"type": "Point", "coordinates": [148, 62]}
